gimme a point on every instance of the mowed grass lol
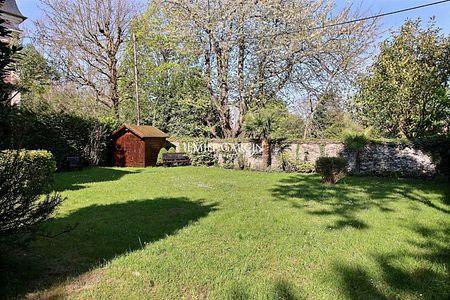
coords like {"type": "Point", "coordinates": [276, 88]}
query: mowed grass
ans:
{"type": "Point", "coordinates": [210, 233]}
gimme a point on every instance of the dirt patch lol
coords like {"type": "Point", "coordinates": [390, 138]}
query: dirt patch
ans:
{"type": "Point", "coordinates": [82, 282]}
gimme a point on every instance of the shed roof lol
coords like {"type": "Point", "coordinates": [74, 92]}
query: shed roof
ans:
{"type": "Point", "coordinates": [142, 131]}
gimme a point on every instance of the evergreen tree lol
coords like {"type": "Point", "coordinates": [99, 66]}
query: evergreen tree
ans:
{"type": "Point", "coordinates": [406, 93]}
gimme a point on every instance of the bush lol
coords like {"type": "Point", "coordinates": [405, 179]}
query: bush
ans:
{"type": "Point", "coordinates": [159, 160]}
{"type": "Point", "coordinates": [332, 169]}
{"type": "Point", "coordinates": [229, 158]}
{"type": "Point", "coordinates": [439, 149]}
{"type": "Point", "coordinates": [24, 177]}
{"type": "Point", "coordinates": [203, 158]}
{"type": "Point", "coordinates": [171, 150]}
{"type": "Point", "coordinates": [289, 164]}
{"type": "Point", "coordinates": [63, 134]}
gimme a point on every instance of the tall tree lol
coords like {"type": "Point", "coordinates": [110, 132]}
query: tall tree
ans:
{"type": "Point", "coordinates": [406, 92]}
{"type": "Point", "coordinates": [252, 51]}
{"type": "Point", "coordinates": [172, 91]}
{"type": "Point", "coordinates": [36, 74]}
{"type": "Point", "coordinates": [85, 39]}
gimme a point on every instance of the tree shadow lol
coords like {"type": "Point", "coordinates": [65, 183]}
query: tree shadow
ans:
{"type": "Point", "coordinates": [75, 180]}
{"type": "Point", "coordinates": [285, 290]}
{"type": "Point", "coordinates": [429, 281]}
{"type": "Point", "coordinates": [281, 290]}
{"type": "Point", "coordinates": [103, 232]}
{"type": "Point", "coordinates": [355, 194]}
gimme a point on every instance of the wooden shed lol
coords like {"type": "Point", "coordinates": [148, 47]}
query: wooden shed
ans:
{"type": "Point", "coordinates": [137, 146]}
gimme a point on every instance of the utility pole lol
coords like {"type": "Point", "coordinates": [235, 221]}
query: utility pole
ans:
{"type": "Point", "coordinates": [136, 85]}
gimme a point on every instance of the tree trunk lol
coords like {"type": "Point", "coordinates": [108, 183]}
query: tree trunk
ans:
{"type": "Point", "coordinates": [265, 143]}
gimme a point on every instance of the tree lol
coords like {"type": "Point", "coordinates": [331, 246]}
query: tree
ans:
{"type": "Point", "coordinates": [173, 93]}
{"type": "Point", "coordinates": [253, 51]}
{"type": "Point", "coordinates": [406, 91]}
{"type": "Point", "coordinates": [266, 124]}
{"type": "Point", "coordinates": [85, 39]}
{"type": "Point", "coordinates": [326, 113]}
{"type": "Point", "coordinates": [35, 73]}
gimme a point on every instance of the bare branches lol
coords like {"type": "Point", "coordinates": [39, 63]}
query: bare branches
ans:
{"type": "Point", "coordinates": [255, 50]}
{"type": "Point", "coordinates": [85, 39]}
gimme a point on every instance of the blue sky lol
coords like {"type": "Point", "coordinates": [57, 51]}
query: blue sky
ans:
{"type": "Point", "coordinates": [30, 8]}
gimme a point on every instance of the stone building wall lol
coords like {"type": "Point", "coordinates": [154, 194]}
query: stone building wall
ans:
{"type": "Point", "coordinates": [376, 159]}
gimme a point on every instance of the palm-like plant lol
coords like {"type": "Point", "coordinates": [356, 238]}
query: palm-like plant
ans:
{"type": "Point", "coordinates": [265, 125]}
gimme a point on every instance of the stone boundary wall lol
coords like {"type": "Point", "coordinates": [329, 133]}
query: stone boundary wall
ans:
{"type": "Point", "coordinates": [382, 159]}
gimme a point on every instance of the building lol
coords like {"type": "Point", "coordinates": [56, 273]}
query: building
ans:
{"type": "Point", "coordinates": [10, 13]}
{"type": "Point", "coordinates": [137, 145]}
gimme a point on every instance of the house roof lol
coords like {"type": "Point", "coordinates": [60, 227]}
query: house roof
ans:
{"type": "Point", "coordinates": [142, 131]}
{"type": "Point", "coordinates": [10, 7]}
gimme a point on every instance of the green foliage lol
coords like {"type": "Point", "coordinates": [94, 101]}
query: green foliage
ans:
{"type": "Point", "coordinates": [289, 164]}
{"type": "Point", "coordinates": [267, 122]}
{"type": "Point", "coordinates": [24, 176]}
{"type": "Point", "coordinates": [174, 96]}
{"type": "Point", "coordinates": [291, 127]}
{"type": "Point", "coordinates": [36, 75]}
{"type": "Point", "coordinates": [229, 158]}
{"type": "Point", "coordinates": [203, 158]}
{"type": "Point", "coordinates": [171, 150]}
{"type": "Point", "coordinates": [438, 147]}
{"type": "Point", "coordinates": [406, 93]}
{"type": "Point", "coordinates": [159, 160]}
{"type": "Point", "coordinates": [356, 141]}
{"type": "Point", "coordinates": [63, 134]}
{"type": "Point", "coordinates": [332, 169]}
{"type": "Point", "coordinates": [241, 161]}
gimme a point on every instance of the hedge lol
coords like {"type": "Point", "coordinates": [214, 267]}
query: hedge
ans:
{"type": "Point", "coordinates": [63, 134]}
{"type": "Point", "coordinates": [38, 166]}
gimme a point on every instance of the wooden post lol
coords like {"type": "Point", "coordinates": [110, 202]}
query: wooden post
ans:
{"type": "Point", "coordinates": [136, 85]}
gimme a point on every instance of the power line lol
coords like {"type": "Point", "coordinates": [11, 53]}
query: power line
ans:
{"type": "Point", "coordinates": [381, 15]}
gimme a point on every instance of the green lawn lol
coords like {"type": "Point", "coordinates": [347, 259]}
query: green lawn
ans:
{"type": "Point", "coordinates": [210, 233]}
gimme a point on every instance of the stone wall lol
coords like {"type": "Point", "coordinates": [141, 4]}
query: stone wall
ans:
{"type": "Point", "coordinates": [376, 159]}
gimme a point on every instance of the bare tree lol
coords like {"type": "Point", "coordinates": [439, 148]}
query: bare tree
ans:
{"type": "Point", "coordinates": [253, 51]}
{"type": "Point", "coordinates": [85, 39]}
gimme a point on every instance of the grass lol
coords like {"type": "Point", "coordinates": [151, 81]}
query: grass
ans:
{"type": "Point", "coordinates": [209, 233]}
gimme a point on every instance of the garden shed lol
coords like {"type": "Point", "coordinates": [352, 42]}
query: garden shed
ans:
{"type": "Point", "coordinates": [137, 145]}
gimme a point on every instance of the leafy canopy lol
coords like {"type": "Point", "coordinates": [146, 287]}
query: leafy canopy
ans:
{"type": "Point", "coordinates": [406, 93]}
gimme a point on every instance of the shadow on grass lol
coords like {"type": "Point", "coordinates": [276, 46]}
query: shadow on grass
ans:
{"type": "Point", "coordinates": [281, 289]}
{"type": "Point", "coordinates": [355, 194]}
{"type": "Point", "coordinates": [104, 232]}
{"type": "Point", "coordinates": [399, 278]}
{"type": "Point", "coordinates": [75, 180]}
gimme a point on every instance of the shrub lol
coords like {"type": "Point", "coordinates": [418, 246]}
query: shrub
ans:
{"type": "Point", "coordinates": [241, 161]}
{"type": "Point", "coordinates": [356, 141]}
{"type": "Point", "coordinates": [332, 169]}
{"type": "Point", "coordinates": [171, 150]}
{"type": "Point", "coordinates": [203, 158]}
{"type": "Point", "coordinates": [439, 149]}
{"type": "Point", "coordinates": [229, 158]}
{"type": "Point", "coordinates": [24, 177]}
{"type": "Point", "coordinates": [289, 164]}
{"type": "Point", "coordinates": [159, 161]}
